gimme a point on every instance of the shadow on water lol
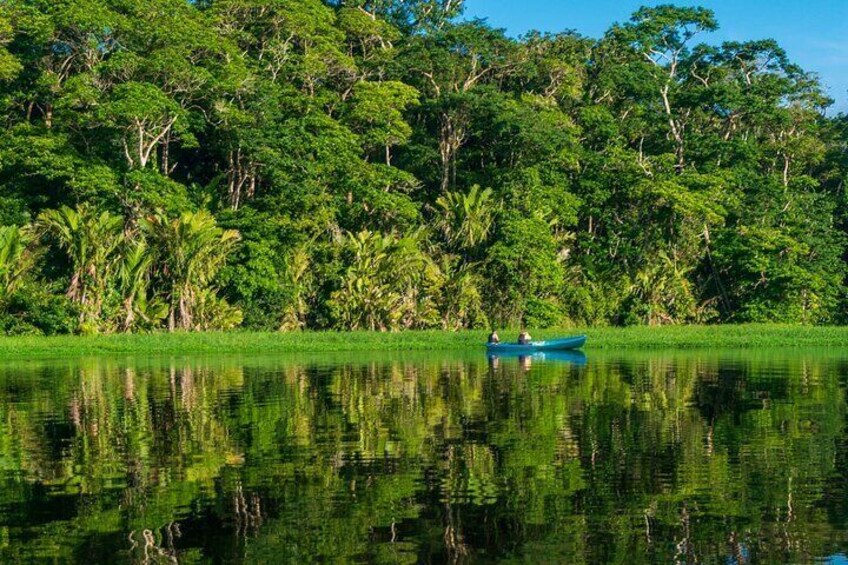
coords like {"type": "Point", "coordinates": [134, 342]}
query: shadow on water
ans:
{"type": "Point", "coordinates": [703, 456]}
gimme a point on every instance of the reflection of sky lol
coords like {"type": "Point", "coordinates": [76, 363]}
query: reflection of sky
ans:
{"type": "Point", "coordinates": [837, 559]}
{"type": "Point", "coordinates": [814, 32]}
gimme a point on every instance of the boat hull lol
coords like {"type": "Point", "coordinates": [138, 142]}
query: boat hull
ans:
{"type": "Point", "coordinates": [565, 344]}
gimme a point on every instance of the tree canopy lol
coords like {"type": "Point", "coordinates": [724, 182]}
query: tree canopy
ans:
{"type": "Point", "coordinates": [387, 164]}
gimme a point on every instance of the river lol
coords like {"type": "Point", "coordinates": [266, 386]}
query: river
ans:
{"type": "Point", "coordinates": [701, 456]}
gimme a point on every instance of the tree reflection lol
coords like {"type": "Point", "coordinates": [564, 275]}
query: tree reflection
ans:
{"type": "Point", "coordinates": [695, 457]}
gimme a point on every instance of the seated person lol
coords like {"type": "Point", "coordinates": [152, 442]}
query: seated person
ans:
{"type": "Point", "coordinates": [524, 338]}
{"type": "Point", "coordinates": [493, 337]}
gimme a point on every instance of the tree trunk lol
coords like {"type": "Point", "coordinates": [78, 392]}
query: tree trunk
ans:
{"type": "Point", "coordinates": [171, 318]}
{"type": "Point", "coordinates": [185, 309]}
{"type": "Point", "coordinates": [129, 315]}
{"type": "Point", "coordinates": [675, 127]}
{"type": "Point", "coordinates": [452, 136]}
{"type": "Point", "coordinates": [166, 154]}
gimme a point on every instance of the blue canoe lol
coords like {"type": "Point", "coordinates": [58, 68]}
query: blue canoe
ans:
{"type": "Point", "coordinates": [565, 344]}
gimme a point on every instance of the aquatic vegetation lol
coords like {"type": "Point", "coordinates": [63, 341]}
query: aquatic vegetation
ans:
{"type": "Point", "coordinates": [258, 343]}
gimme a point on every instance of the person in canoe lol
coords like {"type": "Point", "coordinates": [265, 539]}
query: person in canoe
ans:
{"type": "Point", "coordinates": [524, 338]}
{"type": "Point", "coordinates": [493, 338]}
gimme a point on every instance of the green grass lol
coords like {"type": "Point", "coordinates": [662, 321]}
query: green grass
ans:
{"type": "Point", "coordinates": [681, 337]}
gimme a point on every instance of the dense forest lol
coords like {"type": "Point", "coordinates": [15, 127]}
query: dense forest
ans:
{"type": "Point", "coordinates": [390, 164]}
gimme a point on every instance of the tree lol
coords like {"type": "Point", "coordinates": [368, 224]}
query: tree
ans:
{"type": "Point", "coordinates": [16, 260]}
{"type": "Point", "coordinates": [389, 164]}
{"type": "Point", "coordinates": [377, 114]}
{"type": "Point", "coordinates": [138, 309]}
{"type": "Point", "coordinates": [524, 272]}
{"type": "Point", "coordinates": [410, 15]}
{"type": "Point", "coordinates": [9, 65]}
{"type": "Point", "coordinates": [143, 115]}
{"type": "Point", "coordinates": [662, 36]}
{"type": "Point", "coordinates": [190, 251]}
{"type": "Point", "coordinates": [448, 66]}
{"type": "Point", "coordinates": [465, 220]}
{"type": "Point", "coordinates": [90, 240]}
{"type": "Point", "coordinates": [388, 284]}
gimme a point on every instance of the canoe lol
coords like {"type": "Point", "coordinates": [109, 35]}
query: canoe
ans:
{"type": "Point", "coordinates": [564, 344]}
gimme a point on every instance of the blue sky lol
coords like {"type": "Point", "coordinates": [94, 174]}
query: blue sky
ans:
{"type": "Point", "coordinates": [813, 32]}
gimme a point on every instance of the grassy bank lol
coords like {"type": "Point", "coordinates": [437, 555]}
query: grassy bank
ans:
{"type": "Point", "coordinates": [686, 337]}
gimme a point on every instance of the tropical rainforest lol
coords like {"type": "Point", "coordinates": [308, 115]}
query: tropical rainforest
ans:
{"type": "Point", "coordinates": [390, 164]}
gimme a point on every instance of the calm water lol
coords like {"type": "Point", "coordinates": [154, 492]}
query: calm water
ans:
{"type": "Point", "coordinates": [712, 457]}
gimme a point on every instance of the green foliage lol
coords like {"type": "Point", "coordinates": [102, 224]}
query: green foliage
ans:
{"type": "Point", "coordinates": [9, 65]}
{"type": "Point", "coordinates": [38, 310]}
{"type": "Point", "coordinates": [90, 241]}
{"type": "Point", "coordinates": [525, 272]}
{"type": "Point", "coordinates": [15, 260]}
{"type": "Point", "coordinates": [388, 284]}
{"type": "Point", "coordinates": [651, 176]}
{"type": "Point", "coordinates": [26, 306]}
{"type": "Point", "coordinates": [266, 285]}
{"type": "Point", "coordinates": [190, 250]}
{"type": "Point", "coordinates": [377, 113]}
{"type": "Point", "coordinates": [138, 310]}
{"type": "Point", "coordinates": [410, 15]}
{"type": "Point", "coordinates": [465, 220]}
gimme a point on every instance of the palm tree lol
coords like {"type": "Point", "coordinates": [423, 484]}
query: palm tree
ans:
{"type": "Point", "coordinates": [134, 280]}
{"type": "Point", "coordinates": [465, 220]}
{"type": "Point", "coordinates": [664, 292]}
{"type": "Point", "coordinates": [461, 303]}
{"type": "Point", "coordinates": [298, 269]}
{"type": "Point", "coordinates": [388, 284]}
{"type": "Point", "coordinates": [364, 299]}
{"type": "Point", "coordinates": [15, 260]}
{"type": "Point", "coordinates": [191, 249]}
{"type": "Point", "coordinates": [90, 240]}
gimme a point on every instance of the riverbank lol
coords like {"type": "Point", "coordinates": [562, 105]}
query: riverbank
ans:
{"type": "Point", "coordinates": [673, 337]}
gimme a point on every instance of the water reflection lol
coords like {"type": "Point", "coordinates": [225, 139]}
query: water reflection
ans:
{"type": "Point", "coordinates": [525, 361]}
{"type": "Point", "coordinates": [687, 457]}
